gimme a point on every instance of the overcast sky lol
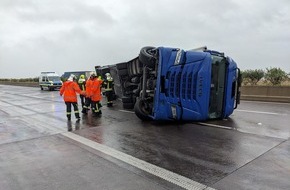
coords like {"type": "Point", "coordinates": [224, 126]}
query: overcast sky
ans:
{"type": "Point", "coordinates": [74, 35]}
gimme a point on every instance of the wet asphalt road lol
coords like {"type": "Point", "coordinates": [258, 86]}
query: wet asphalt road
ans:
{"type": "Point", "coordinates": [250, 150]}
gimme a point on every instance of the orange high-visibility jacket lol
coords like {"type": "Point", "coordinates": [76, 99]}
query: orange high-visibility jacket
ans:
{"type": "Point", "coordinates": [69, 90]}
{"type": "Point", "coordinates": [89, 85]}
{"type": "Point", "coordinates": [96, 90]}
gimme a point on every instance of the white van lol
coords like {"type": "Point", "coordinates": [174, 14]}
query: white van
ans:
{"type": "Point", "coordinates": [49, 80]}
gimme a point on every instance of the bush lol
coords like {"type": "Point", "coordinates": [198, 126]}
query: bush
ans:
{"type": "Point", "coordinates": [252, 76]}
{"type": "Point", "coordinates": [20, 80]}
{"type": "Point", "coordinates": [275, 75]}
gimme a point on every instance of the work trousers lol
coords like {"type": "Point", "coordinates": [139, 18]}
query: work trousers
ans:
{"type": "Point", "coordinates": [68, 109]}
{"type": "Point", "coordinates": [109, 95]}
{"type": "Point", "coordinates": [88, 104]}
{"type": "Point", "coordinates": [96, 108]}
{"type": "Point", "coordinates": [83, 99]}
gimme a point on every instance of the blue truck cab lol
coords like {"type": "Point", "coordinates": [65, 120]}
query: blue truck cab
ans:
{"type": "Point", "coordinates": [172, 84]}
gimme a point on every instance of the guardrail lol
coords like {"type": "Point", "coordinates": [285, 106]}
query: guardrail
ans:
{"type": "Point", "coordinates": [253, 93]}
{"type": "Point", "coordinates": [266, 93]}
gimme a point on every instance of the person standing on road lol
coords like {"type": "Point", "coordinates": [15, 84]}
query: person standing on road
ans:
{"type": "Point", "coordinates": [68, 91]}
{"type": "Point", "coordinates": [82, 85]}
{"type": "Point", "coordinates": [108, 85]}
{"type": "Point", "coordinates": [88, 101]}
{"type": "Point", "coordinates": [102, 82]}
{"type": "Point", "coordinates": [96, 96]}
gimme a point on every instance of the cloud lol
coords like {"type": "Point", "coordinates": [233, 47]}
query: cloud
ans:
{"type": "Point", "coordinates": [77, 35]}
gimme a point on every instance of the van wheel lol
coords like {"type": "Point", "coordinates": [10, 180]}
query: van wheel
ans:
{"type": "Point", "coordinates": [140, 110]}
{"type": "Point", "coordinates": [41, 88]}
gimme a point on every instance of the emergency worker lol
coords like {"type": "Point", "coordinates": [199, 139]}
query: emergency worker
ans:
{"type": "Point", "coordinates": [102, 82]}
{"type": "Point", "coordinates": [108, 85]}
{"type": "Point", "coordinates": [96, 96]}
{"type": "Point", "coordinates": [82, 85]}
{"type": "Point", "coordinates": [68, 91]}
{"type": "Point", "coordinates": [88, 102]}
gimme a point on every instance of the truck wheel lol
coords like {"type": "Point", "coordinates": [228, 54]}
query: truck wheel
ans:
{"type": "Point", "coordinates": [138, 67]}
{"type": "Point", "coordinates": [141, 111]}
{"type": "Point", "coordinates": [146, 56]}
{"type": "Point", "coordinates": [41, 88]}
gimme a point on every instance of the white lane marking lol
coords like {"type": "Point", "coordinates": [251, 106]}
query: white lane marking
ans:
{"type": "Point", "coordinates": [260, 112]}
{"type": "Point", "coordinates": [214, 125]}
{"type": "Point", "coordinates": [209, 188]}
{"type": "Point", "coordinates": [126, 111]}
{"type": "Point", "coordinates": [167, 175]}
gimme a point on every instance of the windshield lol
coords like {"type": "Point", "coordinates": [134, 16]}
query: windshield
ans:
{"type": "Point", "coordinates": [218, 75]}
{"type": "Point", "coordinates": [54, 78]}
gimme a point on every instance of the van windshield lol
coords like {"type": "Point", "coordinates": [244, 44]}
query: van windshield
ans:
{"type": "Point", "coordinates": [54, 78]}
{"type": "Point", "coordinates": [218, 76]}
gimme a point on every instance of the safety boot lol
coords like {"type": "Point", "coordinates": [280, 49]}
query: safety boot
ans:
{"type": "Point", "coordinates": [77, 116]}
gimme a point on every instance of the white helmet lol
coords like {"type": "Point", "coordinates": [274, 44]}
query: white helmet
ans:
{"type": "Point", "coordinates": [108, 74]}
{"type": "Point", "coordinates": [72, 77]}
{"type": "Point", "coordinates": [92, 75]}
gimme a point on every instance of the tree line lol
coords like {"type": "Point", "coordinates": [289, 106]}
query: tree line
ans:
{"type": "Point", "coordinates": [35, 79]}
{"type": "Point", "coordinates": [271, 76]}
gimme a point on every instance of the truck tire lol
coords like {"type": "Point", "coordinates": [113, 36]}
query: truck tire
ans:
{"type": "Point", "coordinates": [41, 88]}
{"type": "Point", "coordinates": [140, 110]}
{"type": "Point", "coordinates": [139, 67]}
{"type": "Point", "coordinates": [146, 56]}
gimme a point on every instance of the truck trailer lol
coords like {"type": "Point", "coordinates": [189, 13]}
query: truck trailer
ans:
{"type": "Point", "coordinates": [164, 83]}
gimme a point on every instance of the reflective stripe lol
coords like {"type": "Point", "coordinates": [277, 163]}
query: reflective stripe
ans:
{"type": "Point", "coordinates": [77, 111]}
{"type": "Point", "coordinates": [97, 108]}
{"type": "Point", "coordinates": [109, 84]}
{"type": "Point", "coordinates": [68, 113]}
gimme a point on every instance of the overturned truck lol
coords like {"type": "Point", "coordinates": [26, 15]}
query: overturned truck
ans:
{"type": "Point", "coordinates": [172, 84]}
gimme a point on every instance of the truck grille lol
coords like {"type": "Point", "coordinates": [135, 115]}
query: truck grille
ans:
{"type": "Point", "coordinates": [171, 88]}
{"type": "Point", "coordinates": [181, 87]}
{"type": "Point", "coordinates": [188, 86]}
